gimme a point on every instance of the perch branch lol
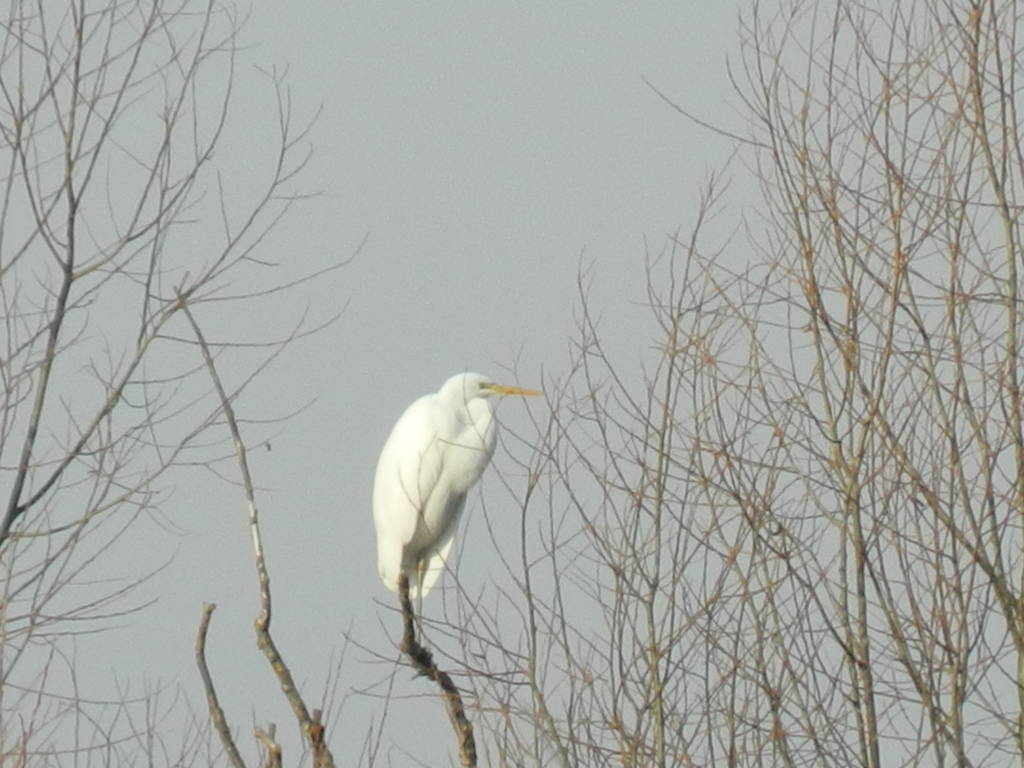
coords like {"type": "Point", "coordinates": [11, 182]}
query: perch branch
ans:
{"type": "Point", "coordinates": [423, 661]}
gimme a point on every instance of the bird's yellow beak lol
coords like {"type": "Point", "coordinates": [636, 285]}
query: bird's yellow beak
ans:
{"type": "Point", "coordinates": [501, 389]}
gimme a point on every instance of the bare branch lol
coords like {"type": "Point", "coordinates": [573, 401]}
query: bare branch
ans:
{"type": "Point", "coordinates": [423, 661]}
{"type": "Point", "coordinates": [216, 713]}
{"type": "Point", "coordinates": [312, 731]}
{"type": "Point", "coordinates": [267, 739]}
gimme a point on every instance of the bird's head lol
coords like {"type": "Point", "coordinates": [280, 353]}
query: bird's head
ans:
{"type": "Point", "coordinates": [466, 387]}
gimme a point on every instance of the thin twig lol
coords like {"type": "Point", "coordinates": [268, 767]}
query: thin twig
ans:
{"type": "Point", "coordinates": [423, 661]}
{"type": "Point", "coordinates": [311, 731]}
{"type": "Point", "coordinates": [216, 713]}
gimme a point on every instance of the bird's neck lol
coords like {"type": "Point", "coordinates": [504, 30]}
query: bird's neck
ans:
{"type": "Point", "coordinates": [477, 412]}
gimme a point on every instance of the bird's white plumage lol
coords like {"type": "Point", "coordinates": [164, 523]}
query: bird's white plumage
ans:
{"type": "Point", "coordinates": [436, 451]}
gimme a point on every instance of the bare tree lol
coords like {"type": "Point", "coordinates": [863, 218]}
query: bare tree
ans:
{"type": "Point", "coordinates": [789, 532]}
{"type": "Point", "coordinates": [110, 115]}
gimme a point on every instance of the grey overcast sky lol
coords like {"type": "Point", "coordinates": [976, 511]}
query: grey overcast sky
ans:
{"type": "Point", "coordinates": [485, 151]}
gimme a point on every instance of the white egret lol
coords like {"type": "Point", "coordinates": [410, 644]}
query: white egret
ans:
{"type": "Point", "coordinates": [437, 450]}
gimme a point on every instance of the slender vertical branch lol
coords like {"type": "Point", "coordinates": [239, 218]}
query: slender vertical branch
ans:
{"type": "Point", "coordinates": [220, 724]}
{"type": "Point", "coordinates": [312, 732]}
